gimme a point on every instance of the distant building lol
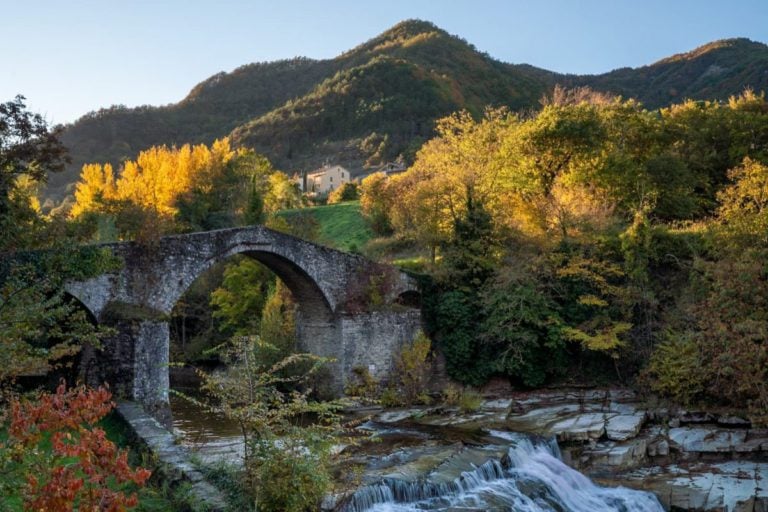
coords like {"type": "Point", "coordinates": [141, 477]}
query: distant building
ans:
{"type": "Point", "coordinates": [324, 180]}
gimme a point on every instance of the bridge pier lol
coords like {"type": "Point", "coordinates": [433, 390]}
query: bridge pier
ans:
{"type": "Point", "coordinates": [370, 340]}
{"type": "Point", "coordinates": [151, 382]}
{"type": "Point", "coordinates": [133, 361]}
{"type": "Point", "coordinates": [321, 338]}
{"type": "Point", "coordinates": [373, 339]}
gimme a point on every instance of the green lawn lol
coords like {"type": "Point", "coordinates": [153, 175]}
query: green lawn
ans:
{"type": "Point", "coordinates": [341, 225]}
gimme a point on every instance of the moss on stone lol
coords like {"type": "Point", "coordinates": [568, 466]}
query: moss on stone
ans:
{"type": "Point", "coordinates": [119, 311]}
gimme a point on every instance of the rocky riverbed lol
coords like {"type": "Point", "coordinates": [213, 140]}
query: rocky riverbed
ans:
{"type": "Point", "coordinates": [689, 460]}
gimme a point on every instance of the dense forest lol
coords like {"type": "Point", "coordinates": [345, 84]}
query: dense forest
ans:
{"type": "Point", "coordinates": [380, 100]}
{"type": "Point", "coordinates": [594, 240]}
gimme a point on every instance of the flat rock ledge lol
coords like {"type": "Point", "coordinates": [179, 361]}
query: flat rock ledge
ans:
{"type": "Point", "coordinates": [693, 461]}
{"type": "Point", "coordinates": [174, 460]}
{"type": "Point", "coordinates": [735, 486]}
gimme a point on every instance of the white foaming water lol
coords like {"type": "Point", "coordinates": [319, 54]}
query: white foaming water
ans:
{"type": "Point", "coordinates": [534, 479]}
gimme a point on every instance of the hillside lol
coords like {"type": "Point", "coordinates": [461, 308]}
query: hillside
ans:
{"type": "Point", "coordinates": [714, 71]}
{"type": "Point", "coordinates": [211, 110]}
{"type": "Point", "coordinates": [384, 101]}
{"type": "Point", "coordinates": [379, 100]}
{"type": "Point", "coordinates": [340, 225]}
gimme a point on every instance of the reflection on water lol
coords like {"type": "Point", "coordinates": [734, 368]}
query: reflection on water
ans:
{"type": "Point", "coordinates": [196, 425]}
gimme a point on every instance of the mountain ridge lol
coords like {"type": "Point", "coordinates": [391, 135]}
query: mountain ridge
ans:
{"type": "Point", "coordinates": [379, 100]}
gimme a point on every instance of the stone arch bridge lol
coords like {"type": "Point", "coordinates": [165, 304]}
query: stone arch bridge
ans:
{"type": "Point", "coordinates": [349, 308]}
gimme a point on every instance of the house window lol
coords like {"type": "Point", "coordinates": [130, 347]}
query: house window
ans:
{"type": "Point", "coordinates": [331, 179]}
{"type": "Point", "coordinates": [342, 174]}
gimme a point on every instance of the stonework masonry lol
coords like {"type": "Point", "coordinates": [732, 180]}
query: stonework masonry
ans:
{"type": "Point", "coordinates": [331, 288]}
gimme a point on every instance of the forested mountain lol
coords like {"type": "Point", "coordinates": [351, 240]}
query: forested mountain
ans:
{"type": "Point", "coordinates": [385, 99]}
{"type": "Point", "coordinates": [379, 100]}
{"type": "Point", "coordinates": [714, 71]}
{"type": "Point", "coordinates": [211, 110]}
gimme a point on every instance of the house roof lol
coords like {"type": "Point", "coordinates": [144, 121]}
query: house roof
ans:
{"type": "Point", "coordinates": [325, 169]}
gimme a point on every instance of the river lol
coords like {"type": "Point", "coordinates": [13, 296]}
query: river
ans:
{"type": "Point", "coordinates": [531, 452]}
{"type": "Point", "coordinates": [530, 477]}
{"type": "Point", "coordinates": [490, 470]}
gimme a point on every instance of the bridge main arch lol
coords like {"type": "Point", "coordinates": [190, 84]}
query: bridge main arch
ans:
{"type": "Point", "coordinates": [138, 299]}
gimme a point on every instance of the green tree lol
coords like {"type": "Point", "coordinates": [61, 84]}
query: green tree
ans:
{"type": "Point", "coordinates": [278, 322]}
{"type": "Point", "coordinates": [594, 309]}
{"type": "Point", "coordinates": [744, 203]}
{"type": "Point", "coordinates": [522, 324]}
{"type": "Point", "coordinates": [375, 202]}
{"type": "Point", "coordinates": [39, 327]}
{"type": "Point", "coordinates": [412, 367]}
{"type": "Point", "coordinates": [346, 192]}
{"type": "Point", "coordinates": [468, 262]}
{"type": "Point", "coordinates": [472, 254]}
{"type": "Point", "coordinates": [29, 151]}
{"type": "Point", "coordinates": [240, 299]}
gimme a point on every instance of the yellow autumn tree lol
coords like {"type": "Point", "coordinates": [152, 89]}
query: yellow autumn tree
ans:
{"type": "Point", "coordinates": [96, 185]}
{"type": "Point", "coordinates": [148, 190]}
{"type": "Point", "coordinates": [160, 174]}
{"type": "Point", "coordinates": [432, 195]}
{"type": "Point", "coordinates": [155, 180]}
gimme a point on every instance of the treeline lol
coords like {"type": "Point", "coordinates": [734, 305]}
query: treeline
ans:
{"type": "Point", "coordinates": [210, 111]}
{"type": "Point", "coordinates": [595, 239]}
{"type": "Point", "coordinates": [170, 190]}
{"type": "Point", "coordinates": [390, 90]}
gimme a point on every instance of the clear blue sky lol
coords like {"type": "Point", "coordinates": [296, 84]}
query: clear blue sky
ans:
{"type": "Point", "coordinates": [72, 56]}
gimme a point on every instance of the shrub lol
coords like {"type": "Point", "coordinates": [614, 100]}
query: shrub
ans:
{"type": "Point", "coordinates": [291, 477]}
{"type": "Point", "coordinates": [391, 397]}
{"type": "Point", "coordinates": [412, 369]}
{"type": "Point", "coordinates": [466, 399]}
{"type": "Point", "coordinates": [470, 400]}
{"type": "Point", "coordinates": [82, 466]}
{"type": "Point", "coordinates": [452, 395]}
{"type": "Point", "coordinates": [363, 385]}
{"type": "Point", "coordinates": [676, 367]}
{"type": "Point", "coordinates": [346, 192]}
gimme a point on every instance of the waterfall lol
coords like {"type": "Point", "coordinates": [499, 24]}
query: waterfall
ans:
{"type": "Point", "coordinates": [531, 478]}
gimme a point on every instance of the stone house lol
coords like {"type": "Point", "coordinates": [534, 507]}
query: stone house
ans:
{"type": "Point", "coordinates": [324, 180]}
